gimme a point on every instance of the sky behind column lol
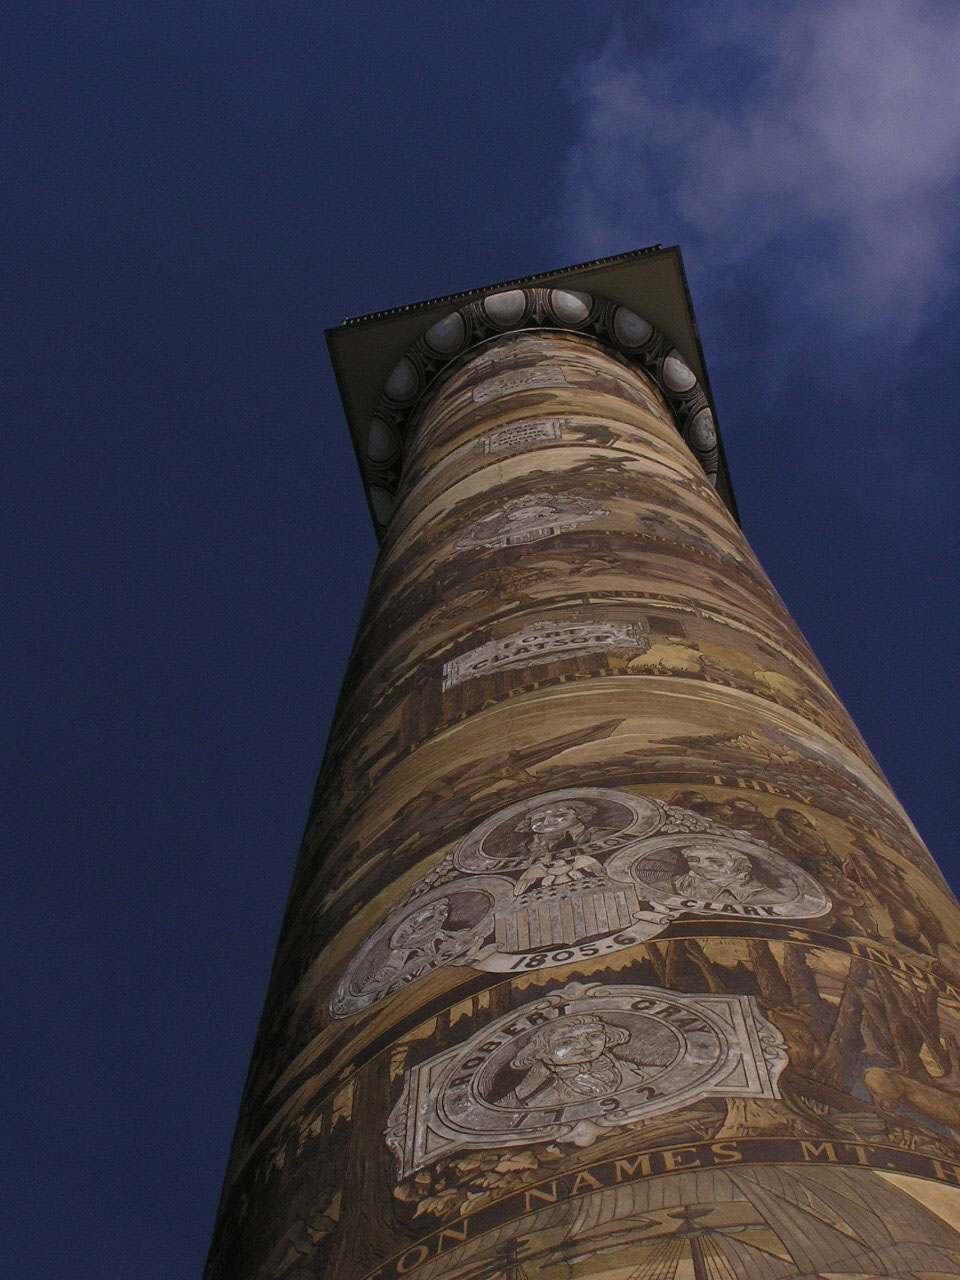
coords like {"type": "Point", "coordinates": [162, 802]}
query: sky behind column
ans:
{"type": "Point", "coordinates": [193, 192]}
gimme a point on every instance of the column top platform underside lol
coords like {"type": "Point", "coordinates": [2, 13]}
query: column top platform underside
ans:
{"type": "Point", "coordinates": [386, 361]}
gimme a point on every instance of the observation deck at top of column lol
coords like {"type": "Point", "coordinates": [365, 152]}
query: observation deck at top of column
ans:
{"type": "Point", "coordinates": [636, 303]}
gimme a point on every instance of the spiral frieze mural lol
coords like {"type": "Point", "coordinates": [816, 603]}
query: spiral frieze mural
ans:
{"type": "Point", "coordinates": [610, 952]}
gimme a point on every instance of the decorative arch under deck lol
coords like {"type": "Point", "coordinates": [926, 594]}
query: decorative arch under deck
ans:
{"type": "Point", "coordinates": [509, 311]}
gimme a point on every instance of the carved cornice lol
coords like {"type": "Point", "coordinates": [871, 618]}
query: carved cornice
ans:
{"type": "Point", "coordinates": [512, 310]}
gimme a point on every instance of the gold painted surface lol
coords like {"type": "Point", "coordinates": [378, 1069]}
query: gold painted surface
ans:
{"type": "Point", "coordinates": [610, 952]}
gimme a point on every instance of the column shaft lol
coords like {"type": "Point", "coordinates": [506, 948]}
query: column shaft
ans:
{"type": "Point", "coordinates": [610, 951]}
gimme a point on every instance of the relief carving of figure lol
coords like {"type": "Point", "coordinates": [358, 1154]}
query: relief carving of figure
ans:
{"type": "Point", "coordinates": [558, 832]}
{"type": "Point", "coordinates": [576, 1058]}
{"type": "Point", "coordinates": [718, 875]}
{"type": "Point", "coordinates": [419, 943]}
{"type": "Point", "coordinates": [570, 875]}
{"type": "Point", "coordinates": [583, 1060]}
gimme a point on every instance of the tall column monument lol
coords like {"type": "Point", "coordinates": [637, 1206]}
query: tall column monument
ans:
{"type": "Point", "coordinates": [610, 952]}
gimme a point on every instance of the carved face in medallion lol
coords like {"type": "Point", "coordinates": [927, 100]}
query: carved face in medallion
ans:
{"type": "Point", "coordinates": [571, 1059]}
{"type": "Point", "coordinates": [421, 929]}
{"type": "Point", "coordinates": [571, 875]}
{"type": "Point", "coordinates": [715, 874]}
{"type": "Point", "coordinates": [556, 819]}
{"type": "Point", "coordinates": [569, 1042]}
{"type": "Point", "coordinates": [721, 872]}
{"type": "Point", "coordinates": [574, 1064]}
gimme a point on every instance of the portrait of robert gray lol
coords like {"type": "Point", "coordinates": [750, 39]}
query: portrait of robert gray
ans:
{"type": "Point", "coordinates": [579, 1062]}
{"type": "Point", "coordinates": [581, 1057]}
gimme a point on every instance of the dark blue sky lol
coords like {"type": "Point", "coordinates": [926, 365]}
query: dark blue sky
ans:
{"type": "Point", "coordinates": [193, 192]}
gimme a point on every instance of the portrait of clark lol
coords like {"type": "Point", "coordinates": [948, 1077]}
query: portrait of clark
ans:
{"type": "Point", "coordinates": [718, 875]}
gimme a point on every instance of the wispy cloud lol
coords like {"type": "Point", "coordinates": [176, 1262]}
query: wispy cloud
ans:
{"type": "Point", "coordinates": [813, 147]}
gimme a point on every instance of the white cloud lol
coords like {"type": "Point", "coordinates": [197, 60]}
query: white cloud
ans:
{"type": "Point", "coordinates": [821, 139]}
